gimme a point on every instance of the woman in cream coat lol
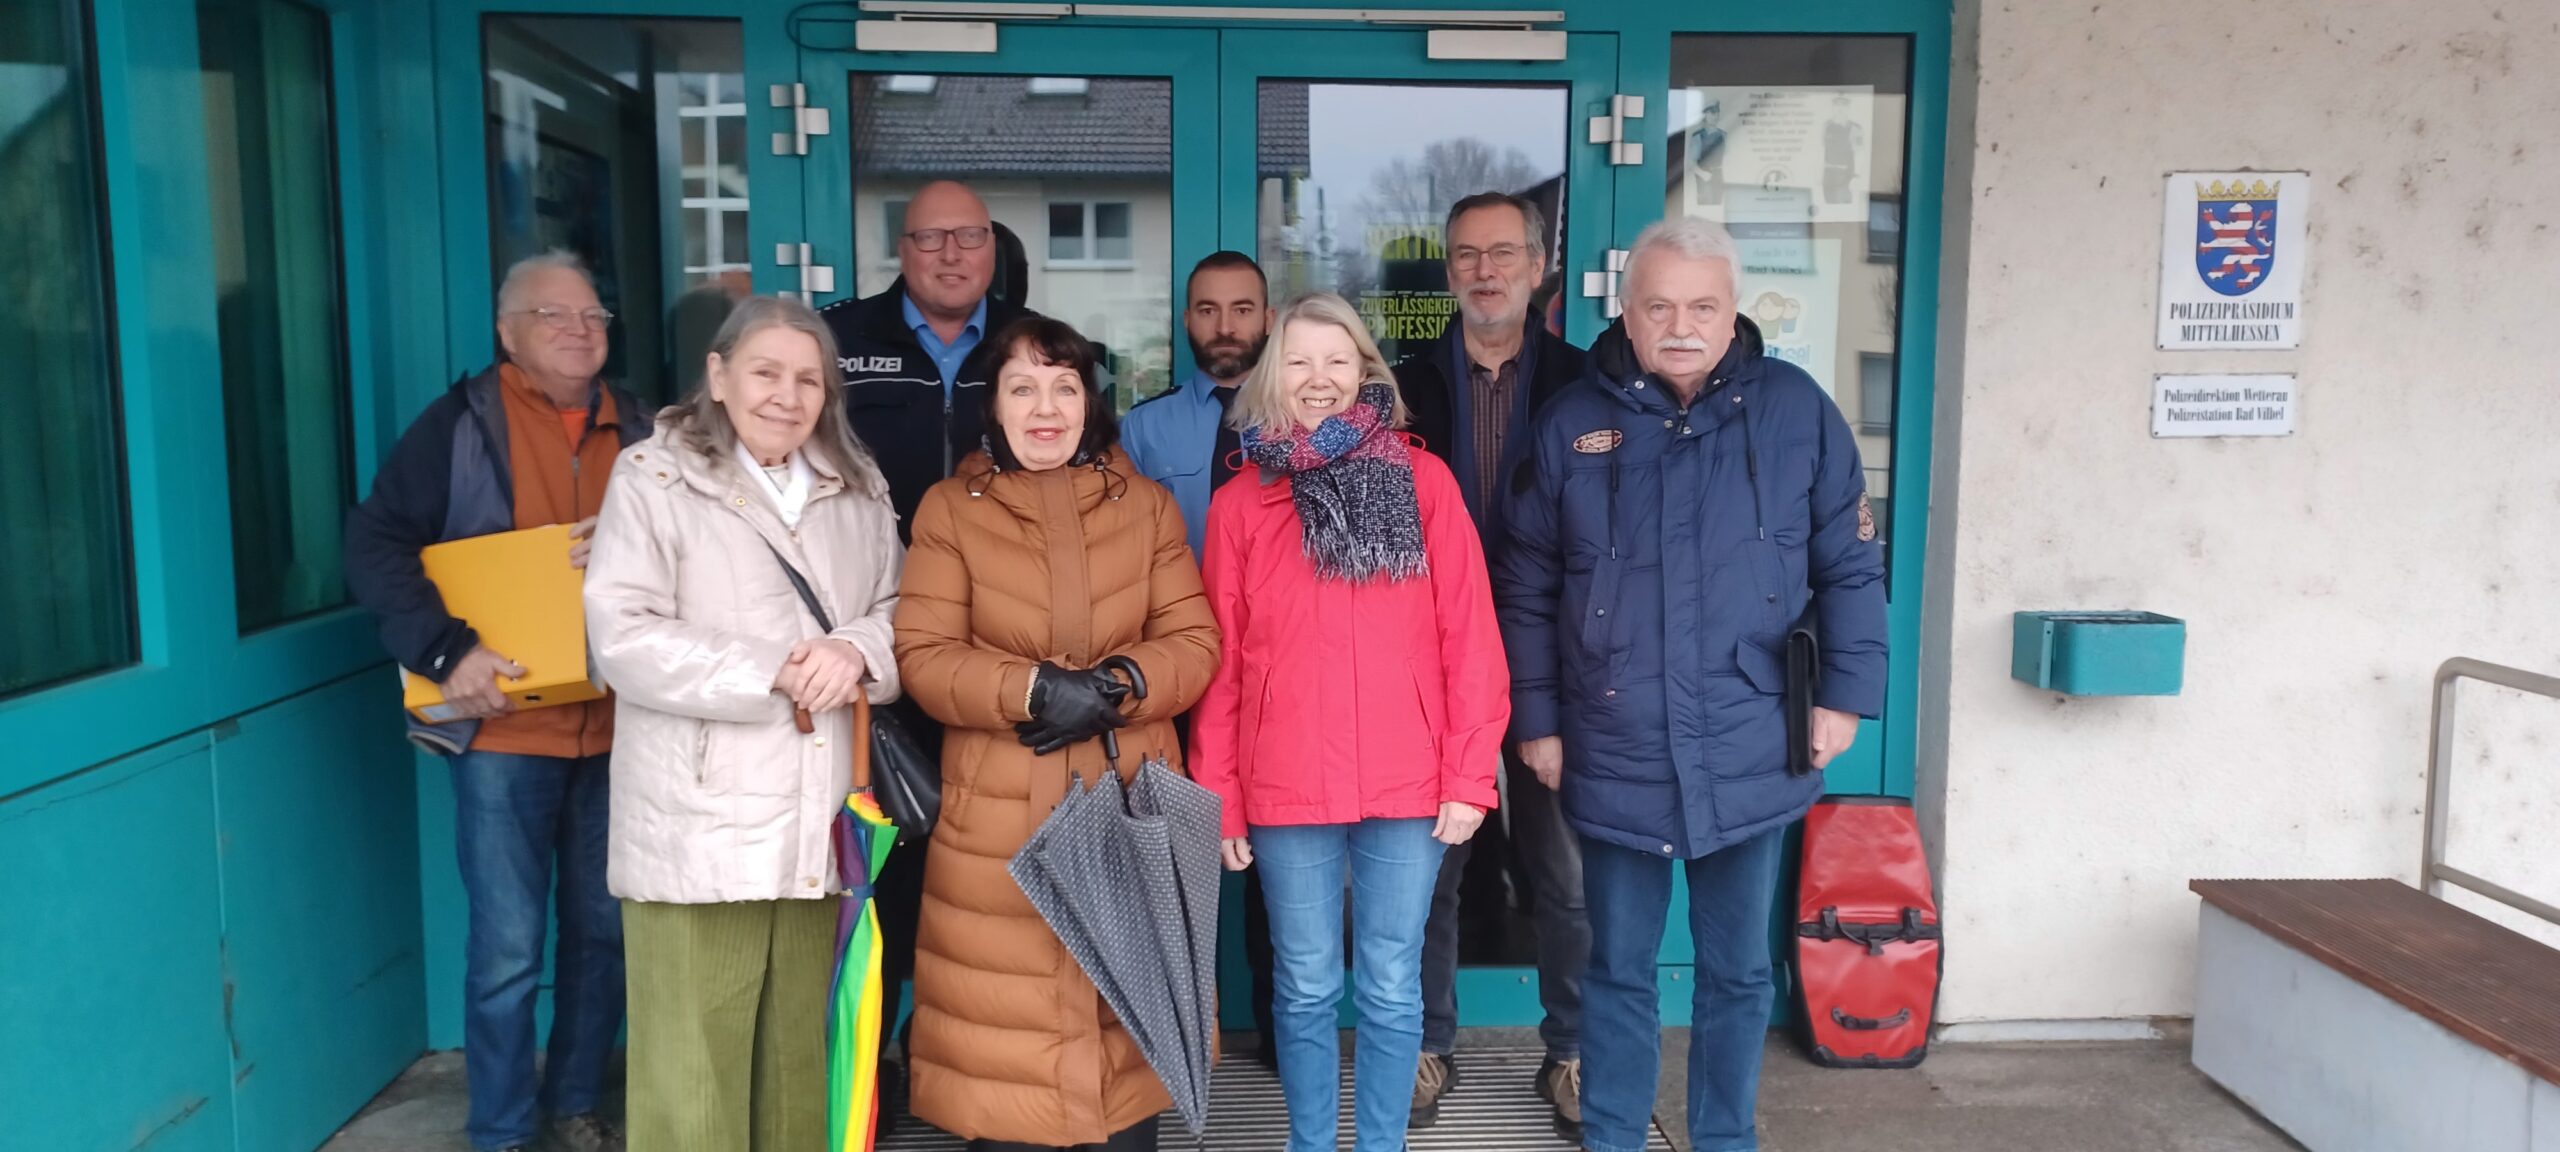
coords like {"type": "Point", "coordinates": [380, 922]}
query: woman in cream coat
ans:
{"type": "Point", "coordinates": [721, 807]}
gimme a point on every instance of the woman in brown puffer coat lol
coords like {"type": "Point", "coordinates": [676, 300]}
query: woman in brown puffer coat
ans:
{"type": "Point", "coordinates": [1037, 560]}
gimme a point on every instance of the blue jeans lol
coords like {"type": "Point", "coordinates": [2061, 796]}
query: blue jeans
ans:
{"type": "Point", "coordinates": [513, 816]}
{"type": "Point", "coordinates": [1393, 864]}
{"type": "Point", "coordinates": [1628, 893]}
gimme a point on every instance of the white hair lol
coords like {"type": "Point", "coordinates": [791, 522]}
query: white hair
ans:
{"type": "Point", "coordinates": [1688, 238]}
{"type": "Point", "coordinates": [519, 274]}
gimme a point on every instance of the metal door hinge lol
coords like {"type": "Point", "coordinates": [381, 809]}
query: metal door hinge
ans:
{"type": "Point", "coordinates": [1603, 286]}
{"type": "Point", "coordinates": [1612, 130]}
{"type": "Point", "coordinates": [805, 121]}
{"type": "Point", "coordinates": [815, 279]}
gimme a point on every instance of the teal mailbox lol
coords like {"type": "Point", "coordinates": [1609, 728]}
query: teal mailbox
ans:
{"type": "Point", "coordinates": [2100, 653]}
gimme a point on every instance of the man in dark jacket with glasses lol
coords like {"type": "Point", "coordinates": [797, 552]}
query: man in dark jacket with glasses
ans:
{"type": "Point", "coordinates": [915, 370]}
{"type": "Point", "coordinates": [912, 358]}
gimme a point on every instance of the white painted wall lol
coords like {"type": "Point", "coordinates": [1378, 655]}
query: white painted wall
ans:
{"type": "Point", "coordinates": [2323, 577]}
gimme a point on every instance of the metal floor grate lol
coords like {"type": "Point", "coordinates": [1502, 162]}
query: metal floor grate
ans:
{"type": "Point", "coordinates": [1491, 1110]}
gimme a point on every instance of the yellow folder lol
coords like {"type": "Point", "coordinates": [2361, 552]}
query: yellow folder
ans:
{"type": "Point", "coordinates": [518, 591]}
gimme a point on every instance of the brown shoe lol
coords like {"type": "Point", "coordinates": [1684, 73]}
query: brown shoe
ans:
{"type": "Point", "coordinates": [585, 1132]}
{"type": "Point", "coordinates": [1560, 1084]}
{"type": "Point", "coordinates": [1433, 1080]}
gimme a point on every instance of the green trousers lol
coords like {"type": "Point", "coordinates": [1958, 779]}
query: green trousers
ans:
{"type": "Point", "coordinates": [728, 1024]}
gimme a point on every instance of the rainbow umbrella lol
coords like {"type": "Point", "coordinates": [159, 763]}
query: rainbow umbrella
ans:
{"type": "Point", "coordinates": [864, 837]}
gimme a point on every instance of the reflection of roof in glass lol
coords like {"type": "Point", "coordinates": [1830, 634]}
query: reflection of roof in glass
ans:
{"type": "Point", "coordinates": [998, 126]}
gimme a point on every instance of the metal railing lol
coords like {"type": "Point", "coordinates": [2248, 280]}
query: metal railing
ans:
{"type": "Point", "coordinates": [2433, 872]}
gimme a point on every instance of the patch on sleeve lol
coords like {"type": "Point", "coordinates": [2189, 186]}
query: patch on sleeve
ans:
{"type": "Point", "coordinates": [1595, 443]}
{"type": "Point", "coordinates": [1866, 520]}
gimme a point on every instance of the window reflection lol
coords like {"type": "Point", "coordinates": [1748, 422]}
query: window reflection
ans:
{"type": "Point", "coordinates": [1349, 209]}
{"type": "Point", "coordinates": [1796, 145]}
{"type": "Point", "coordinates": [62, 495]}
{"type": "Point", "coordinates": [626, 142]}
{"type": "Point", "coordinates": [270, 158]}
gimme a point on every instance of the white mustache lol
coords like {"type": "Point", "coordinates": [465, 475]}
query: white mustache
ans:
{"type": "Point", "coordinates": [1680, 344]}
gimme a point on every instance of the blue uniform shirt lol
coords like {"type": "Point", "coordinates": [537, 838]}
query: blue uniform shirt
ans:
{"type": "Point", "coordinates": [946, 357]}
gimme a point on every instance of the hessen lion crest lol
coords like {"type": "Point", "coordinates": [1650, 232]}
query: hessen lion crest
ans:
{"type": "Point", "coordinates": [2235, 235]}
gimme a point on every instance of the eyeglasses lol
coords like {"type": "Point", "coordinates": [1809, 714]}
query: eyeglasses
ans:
{"type": "Point", "coordinates": [931, 239]}
{"type": "Point", "coordinates": [1502, 256]}
{"type": "Point", "coordinates": [570, 320]}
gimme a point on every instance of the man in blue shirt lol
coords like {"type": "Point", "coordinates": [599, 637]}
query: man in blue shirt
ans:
{"type": "Point", "coordinates": [911, 354]}
{"type": "Point", "coordinates": [1180, 438]}
{"type": "Point", "coordinates": [915, 364]}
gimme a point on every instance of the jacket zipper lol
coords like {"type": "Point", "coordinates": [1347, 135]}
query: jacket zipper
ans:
{"type": "Point", "coordinates": [947, 389]}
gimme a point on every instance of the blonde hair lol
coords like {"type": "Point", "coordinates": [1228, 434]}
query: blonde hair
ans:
{"type": "Point", "coordinates": [1262, 401]}
{"type": "Point", "coordinates": [702, 423]}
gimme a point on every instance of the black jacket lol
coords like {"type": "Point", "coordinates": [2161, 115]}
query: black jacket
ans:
{"type": "Point", "coordinates": [1441, 414]}
{"type": "Point", "coordinates": [894, 393]}
{"type": "Point", "coordinates": [446, 479]}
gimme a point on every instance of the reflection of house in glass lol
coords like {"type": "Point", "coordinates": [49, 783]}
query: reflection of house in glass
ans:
{"type": "Point", "coordinates": [1077, 173]}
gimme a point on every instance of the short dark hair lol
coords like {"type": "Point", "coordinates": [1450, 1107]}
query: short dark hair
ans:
{"type": "Point", "coordinates": [1534, 220]}
{"type": "Point", "coordinates": [1052, 342]}
{"type": "Point", "coordinates": [1225, 258]}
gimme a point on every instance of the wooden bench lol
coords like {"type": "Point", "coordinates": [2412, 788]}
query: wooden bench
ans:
{"type": "Point", "coordinates": [2365, 1014]}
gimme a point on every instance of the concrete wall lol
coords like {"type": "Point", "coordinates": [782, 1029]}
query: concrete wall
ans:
{"type": "Point", "coordinates": [2324, 576]}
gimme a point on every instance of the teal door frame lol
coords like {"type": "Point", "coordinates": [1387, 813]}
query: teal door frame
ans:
{"type": "Point", "coordinates": [1881, 762]}
{"type": "Point", "coordinates": [774, 215]}
{"type": "Point", "coordinates": [453, 188]}
{"type": "Point", "coordinates": [1488, 996]}
{"type": "Point", "coordinates": [1614, 46]}
{"type": "Point", "coordinates": [1185, 57]}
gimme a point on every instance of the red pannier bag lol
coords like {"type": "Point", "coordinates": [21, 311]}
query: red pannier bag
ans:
{"type": "Point", "coordinates": [1866, 935]}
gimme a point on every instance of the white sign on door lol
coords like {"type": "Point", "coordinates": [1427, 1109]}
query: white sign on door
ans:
{"type": "Point", "coordinates": [2232, 247]}
{"type": "Point", "coordinates": [2187, 406]}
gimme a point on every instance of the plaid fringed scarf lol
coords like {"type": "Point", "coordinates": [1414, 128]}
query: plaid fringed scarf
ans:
{"type": "Point", "coordinates": [1352, 479]}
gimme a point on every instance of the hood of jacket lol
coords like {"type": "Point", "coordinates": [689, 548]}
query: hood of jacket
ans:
{"type": "Point", "coordinates": [1613, 358]}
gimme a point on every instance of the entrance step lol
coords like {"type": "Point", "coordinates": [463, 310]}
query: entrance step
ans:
{"type": "Point", "coordinates": [1491, 1110]}
{"type": "Point", "coordinates": [2367, 1016]}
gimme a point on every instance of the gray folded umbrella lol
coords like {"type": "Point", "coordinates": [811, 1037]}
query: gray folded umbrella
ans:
{"type": "Point", "coordinates": [1128, 879]}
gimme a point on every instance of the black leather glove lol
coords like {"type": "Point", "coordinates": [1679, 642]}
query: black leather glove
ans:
{"type": "Point", "coordinates": [1071, 707]}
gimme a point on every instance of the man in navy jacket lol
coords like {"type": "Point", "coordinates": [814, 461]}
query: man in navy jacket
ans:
{"type": "Point", "coordinates": [1681, 507]}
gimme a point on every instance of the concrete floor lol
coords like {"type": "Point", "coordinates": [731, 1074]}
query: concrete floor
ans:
{"type": "Point", "coordinates": [2096, 1097]}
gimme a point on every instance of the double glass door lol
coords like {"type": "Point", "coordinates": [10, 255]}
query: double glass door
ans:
{"type": "Point", "coordinates": [1113, 159]}
{"type": "Point", "coordinates": [666, 152]}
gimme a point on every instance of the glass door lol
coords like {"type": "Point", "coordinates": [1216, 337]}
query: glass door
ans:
{"type": "Point", "coordinates": [1094, 149]}
{"type": "Point", "coordinates": [1361, 143]}
{"type": "Point", "coordinates": [623, 140]}
{"type": "Point", "coordinates": [1801, 146]}
{"type": "Point", "coordinates": [1344, 152]}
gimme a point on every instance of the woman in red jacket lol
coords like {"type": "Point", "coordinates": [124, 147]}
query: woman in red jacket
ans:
{"type": "Point", "coordinates": [1355, 720]}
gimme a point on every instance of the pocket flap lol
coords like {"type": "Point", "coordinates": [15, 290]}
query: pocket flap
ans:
{"type": "Point", "coordinates": [1760, 666]}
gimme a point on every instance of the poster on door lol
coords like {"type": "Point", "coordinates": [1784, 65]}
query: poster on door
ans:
{"type": "Point", "coordinates": [1797, 310]}
{"type": "Point", "coordinates": [2232, 247]}
{"type": "Point", "coordinates": [1409, 302]}
{"type": "Point", "coordinates": [1807, 145]}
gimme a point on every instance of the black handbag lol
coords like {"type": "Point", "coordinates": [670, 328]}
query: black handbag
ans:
{"type": "Point", "coordinates": [906, 782]}
{"type": "Point", "coordinates": [1804, 673]}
